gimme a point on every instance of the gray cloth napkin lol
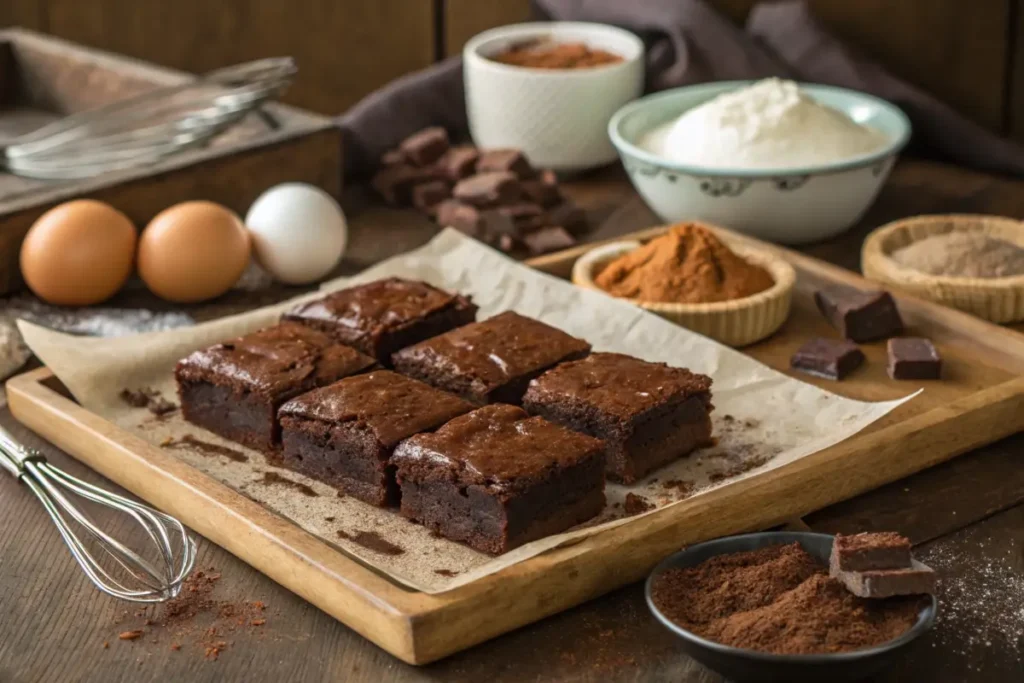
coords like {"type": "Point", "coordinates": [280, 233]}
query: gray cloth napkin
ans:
{"type": "Point", "coordinates": [688, 41]}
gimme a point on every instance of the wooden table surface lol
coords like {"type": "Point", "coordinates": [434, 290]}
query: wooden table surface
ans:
{"type": "Point", "coordinates": [965, 516]}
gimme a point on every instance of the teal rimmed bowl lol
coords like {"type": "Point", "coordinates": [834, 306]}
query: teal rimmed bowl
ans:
{"type": "Point", "coordinates": [789, 205]}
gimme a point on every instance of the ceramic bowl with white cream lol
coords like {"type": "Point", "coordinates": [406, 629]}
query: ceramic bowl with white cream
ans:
{"type": "Point", "coordinates": [557, 117]}
{"type": "Point", "coordinates": [785, 162]}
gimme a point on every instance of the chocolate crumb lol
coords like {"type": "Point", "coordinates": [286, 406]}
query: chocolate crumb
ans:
{"type": "Point", "coordinates": [446, 572]}
{"type": "Point", "coordinates": [189, 442]}
{"type": "Point", "coordinates": [636, 504]}
{"type": "Point", "coordinates": [273, 478]}
{"type": "Point", "coordinates": [681, 486]}
{"type": "Point", "coordinates": [130, 635]}
{"type": "Point", "coordinates": [329, 519]}
{"type": "Point", "coordinates": [175, 646]}
{"type": "Point", "coordinates": [372, 541]}
{"type": "Point", "coordinates": [106, 644]}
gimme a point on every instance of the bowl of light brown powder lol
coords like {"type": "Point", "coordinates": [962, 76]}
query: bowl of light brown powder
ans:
{"type": "Point", "coordinates": [971, 262]}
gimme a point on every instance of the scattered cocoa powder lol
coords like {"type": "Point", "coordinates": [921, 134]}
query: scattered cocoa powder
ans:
{"type": "Point", "coordinates": [190, 442]}
{"type": "Point", "coordinates": [149, 398]}
{"type": "Point", "coordinates": [446, 572]}
{"type": "Point", "coordinates": [778, 599]}
{"type": "Point", "coordinates": [371, 540]}
{"type": "Point", "coordinates": [683, 487]}
{"type": "Point", "coordinates": [636, 504]}
{"type": "Point", "coordinates": [689, 265]}
{"type": "Point", "coordinates": [741, 467]}
{"type": "Point", "coordinates": [275, 479]}
{"type": "Point", "coordinates": [547, 54]}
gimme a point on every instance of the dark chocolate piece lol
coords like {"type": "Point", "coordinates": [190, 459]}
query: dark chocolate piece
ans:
{"type": "Point", "coordinates": [543, 189]}
{"type": "Point", "coordinates": [234, 389]}
{"type": "Point", "coordinates": [548, 239]}
{"type": "Point", "coordinates": [344, 433]}
{"type": "Point", "coordinates": [497, 478]}
{"type": "Point", "coordinates": [488, 189]}
{"type": "Point", "coordinates": [427, 196]}
{"type": "Point", "coordinates": [860, 316]}
{"type": "Point", "coordinates": [380, 317]}
{"type": "Point", "coordinates": [887, 583]}
{"type": "Point", "coordinates": [867, 551]}
{"type": "Point", "coordinates": [913, 358]}
{"type": "Point", "coordinates": [426, 146]}
{"type": "Point", "coordinates": [527, 217]}
{"type": "Point", "coordinates": [395, 183]}
{"type": "Point", "coordinates": [511, 160]}
{"type": "Point", "coordinates": [491, 361]}
{"type": "Point", "coordinates": [647, 414]}
{"type": "Point", "coordinates": [458, 163]}
{"type": "Point", "coordinates": [392, 157]}
{"type": "Point", "coordinates": [569, 216]}
{"type": "Point", "coordinates": [828, 358]}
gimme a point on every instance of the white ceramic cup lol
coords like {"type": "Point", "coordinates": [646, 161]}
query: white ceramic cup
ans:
{"type": "Point", "coordinates": [557, 117]}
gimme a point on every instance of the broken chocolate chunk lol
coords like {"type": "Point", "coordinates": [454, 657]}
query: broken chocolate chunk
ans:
{"type": "Point", "coordinates": [395, 183]}
{"type": "Point", "coordinates": [867, 551]}
{"type": "Point", "coordinates": [543, 193]}
{"type": "Point", "coordinates": [886, 583]}
{"type": "Point", "coordinates": [427, 196]}
{"type": "Point", "coordinates": [392, 157]}
{"type": "Point", "coordinates": [487, 189]}
{"type": "Point", "coordinates": [860, 316]}
{"type": "Point", "coordinates": [511, 160]}
{"type": "Point", "coordinates": [828, 358]}
{"type": "Point", "coordinates": [425, 147]}
{"type": "Point", "coordinates": [458, 163]}
{"type": "Point", "coordinates": [526, 216]}
{"type": "Point", "coordinates": [569, 216]}
{"type": "Point", "coordinates": [913, 358]}
{"type": "Point", "coordinates": [548, 239]}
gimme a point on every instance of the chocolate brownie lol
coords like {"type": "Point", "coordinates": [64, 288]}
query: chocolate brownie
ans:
{"type": "Point", "coordinates": [235, 388]}
{"type": "Point", "coordinates": [380, 317]}
{"type": "Point", "coordinates": [343, 434]}
{"type": "Point", "coordinates": [491, 361]}
{"type": "Point", "coordinates": [497, 478]}
{"type": "Point", "coordinates": [648, 414]}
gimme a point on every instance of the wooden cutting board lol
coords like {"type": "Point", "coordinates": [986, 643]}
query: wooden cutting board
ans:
{"type": "Point", "coordinates": [980, 400]}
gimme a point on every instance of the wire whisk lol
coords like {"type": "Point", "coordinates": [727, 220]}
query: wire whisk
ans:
{"type": "Point", "coordinates": [125, 574]}
{"type": "Point", "coordinates": [148, 127]}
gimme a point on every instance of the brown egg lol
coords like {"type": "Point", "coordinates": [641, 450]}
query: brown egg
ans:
{"type": "Point", "coordinates": [193, 251]}
{"type": "Point", "coordinates": [78, 253]}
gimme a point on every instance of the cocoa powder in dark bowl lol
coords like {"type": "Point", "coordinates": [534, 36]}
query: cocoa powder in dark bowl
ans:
{"type": "Point", "coordinates": [759, 608]}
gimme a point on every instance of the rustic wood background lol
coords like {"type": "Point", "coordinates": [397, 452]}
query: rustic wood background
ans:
{"type": "Point", "coordinates": [971, 54]}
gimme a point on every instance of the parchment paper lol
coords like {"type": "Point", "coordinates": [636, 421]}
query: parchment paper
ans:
{"type": "Point", "coordinates": [763, 419]}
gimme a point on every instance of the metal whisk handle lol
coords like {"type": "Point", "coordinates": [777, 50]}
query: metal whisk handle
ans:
{"type": "Point", "coordinates": [118, 571]}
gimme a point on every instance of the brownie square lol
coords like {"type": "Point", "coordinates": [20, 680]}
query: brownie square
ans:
{"type": "Point", "coordinates": [343, 434]}
{"type": "Point", "coordinates": [647, 414]}
{"type": "Point", "coordinates": [868, 551]}
{"type": "Point", "coordinates": [497, 478]}
{"type": "Point", "coordinates": [383, 316]}
{"type": "Point", "coordinates": [491, 361]}
{"type": "Point", "coordinates": [235, 388]}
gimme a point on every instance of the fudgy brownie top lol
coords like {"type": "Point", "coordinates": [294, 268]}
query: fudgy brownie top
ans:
{"type": "Point", "coordinates": [618, 385]}
{"type": "Point", "coordinates": [864, 541]}
{"type": "Point", "coordinates": [274, 361]}
{"type": "Point", "coordinates": [499, 446]}
{"type": "Point", "coordinates": [379, 306]}
{"type": "Point", "coordinates": [393, 407]}
{"type": "Point", "coordinates": [496, 350]}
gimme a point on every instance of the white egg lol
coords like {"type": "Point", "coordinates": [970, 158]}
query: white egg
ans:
{"type": "Point", "coordinates": [298, 232]}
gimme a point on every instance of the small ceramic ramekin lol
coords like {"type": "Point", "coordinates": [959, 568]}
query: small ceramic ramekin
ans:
{"type": "Point", "coordinates": [998, 300]}
{"type": "Point", "coordinates": [738, 322]}
{"type": "Point", "coordinates": [557, 117]}
{"type": "Point", "coordinates": [787, 205]}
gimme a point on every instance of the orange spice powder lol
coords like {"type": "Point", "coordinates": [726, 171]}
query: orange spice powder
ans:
{"type": "Point", "coordinates": [687, 265]}
{"type": "Point", "coordinates": [543, 54]}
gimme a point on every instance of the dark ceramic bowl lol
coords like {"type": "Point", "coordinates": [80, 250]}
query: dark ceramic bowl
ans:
{"type": "Point", "coordinates": [748, 665]}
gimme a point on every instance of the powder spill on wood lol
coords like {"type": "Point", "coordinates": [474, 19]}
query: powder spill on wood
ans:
{"type": "Point", "coordinates": [189, 442]}
{"type": "Point", "coordinates": [196, 617]}
{"type": "Point", "coordinates": [372, 541]}
{"type": "Point", "coordinates": [445, 572]}
{"type": "Point", "coordinates": [148, 398]}
{"type": "Point", "coordinates": [275, 479]}
{"type": "Point", "coordinates": [962, 253]}
{"type": "Point", "coordinates": [636, 505]}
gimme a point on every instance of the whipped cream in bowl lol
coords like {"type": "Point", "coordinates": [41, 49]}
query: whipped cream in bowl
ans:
{"type": "Point", "coordinates": [788, 162]}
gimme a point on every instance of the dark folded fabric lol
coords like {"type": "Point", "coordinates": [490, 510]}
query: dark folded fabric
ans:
{"type": "Point", "coordinates": [688, 41]}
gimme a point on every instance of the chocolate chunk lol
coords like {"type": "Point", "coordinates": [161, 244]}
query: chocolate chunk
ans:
{"type": "Point", "coordinates": [527, 217]}
{"type": "Point", "coordinates": [545, 194]}
{"type": "Point", "coordinates": [425, 147]}
{"type": "Point", "coordinates": [863, 552]}
{"type": "Point", "coordinates": [458, 163]}
{"type": "Point", "coordinates": [569, 216]}
{"type": "Point", "coordinates": [392, 157]}
{"type": "Point", "coordinates": [463, 217]}
{"type": "Point", "coordinates": [447, 212]}
{"type": "Point", "coordinates": [486, 189]}
{"type": "Point", "coordinates": [548, 239]}
{"type": "Point", "coordinates": [427, 196]}
{"type": "Point", "coordinates": [886, 583]}
{"type": "Point", "coordinates": [395, 183]}
{"type": "Point", "coordinates": [499, 230]}
{"type": "Point", "coordinates": [913, 358]}
{"type": "Point", "coordinates": [511, 160]}
{"type": "Point", "coordinates": [828, 358]}
{"type": "Point", "coordinates": [859, 316]}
